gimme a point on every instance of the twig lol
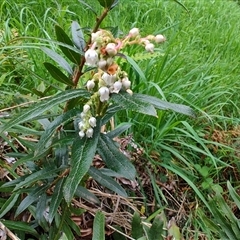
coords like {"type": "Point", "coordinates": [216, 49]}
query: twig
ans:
{"type": "Point", "coordinates": [8, 232]}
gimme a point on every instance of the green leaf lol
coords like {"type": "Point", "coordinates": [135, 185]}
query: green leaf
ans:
{"type": "Point", "coordinates": [156, 230]}
{"type": "Point", "coordinates": [88, 196]}
{"type": "Point", "coordinates": [57, 74]}
{"type": "Point", "coordinates": [41, 107]}
{"type": "Point", "coordinates": [163, 105]}
{"type": "Point", "coordinates": [111, 111]}
{"type": "Point", "coordinates": [233, 194]}
{"type": "Point", "coordinates": [56, 200]}
{"type": "Point", "coordinates": [32, 197]}
{"type": "Point", "coordinates": [83, 151]}
{"type": "Point", "coordinates": [173, 230]}
{"type": "Point", "coordinates": [50, 130]}
{"type": "Point", "coordinates": [7, 206]}
{"type": "Point", "coordinates": [70, 54]}
{"type": "Point", "coordinates": [40, 211]}
{"type": "Point", "coordinates": [88, 6]}
{"type": "Point", "coordinates": [108, 3]}
{"type": "Point", "coordinates": [58, 59]}
{"type": "Point", "coordinates": [137, 230]}
{"type": "Point", "coordinates": [99, 226]}
{"type": "Point", "coordinates": [114, 159]}
{"type": "Point", "coordinates": [20, 226]}
{"type": "Point", "coordinates": [133, 103]}
{"type": "Point", "coordinates": [77, 36]}
{"type": "Point", "coordinates": [44, 173]}
{"type": "Point", "coordinates": [136, 67]}
{"type": "Point", "coordinates": [107, 181]}
{"type": "Point", "coordinates": [119, 130]}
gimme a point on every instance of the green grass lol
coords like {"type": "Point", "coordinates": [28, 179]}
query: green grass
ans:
{"type": "Point", "coordinates": [198, 66]}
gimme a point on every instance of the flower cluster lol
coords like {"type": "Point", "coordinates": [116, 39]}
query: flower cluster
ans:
{"type": "Point", "coordinates": [109, 78]}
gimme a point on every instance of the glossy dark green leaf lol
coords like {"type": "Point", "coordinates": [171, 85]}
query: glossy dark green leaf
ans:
{"type": "Point", "coordinates": [57, 74]}
{"type": "Point", "coordinates": [56, 200]}
{"type": "Point", "coordinates": [7, 206]}
{"type": "Point", "coordinates": [73, 226]}
{"type": "Point", "coordinates": [163, 105]}
{"type": "Point", "coordinates": [20, 226]}
{"type": "Point", "coordinates": [133, 103]}
{"type": "Point", "coordinates": [77, 36]}
{"type": "Point", "coordinates": [83, 151]}
{"type": "Point", "coordinates": [33, 196]}
{"type": "Point", "coordinates": [39, 108]}
{"type": "Point", "coordinates": [111, 111]}
{"type": "Point", "coordinates": [99, 226]}
{"type": "Point", "coordinates": [58, 59]}
{"type": "Point", "coordinates": [46, 136]}
{"type": "Point", "coordinates": [114, 159]}
{"type": "Point", "coordinates": [87, 195]}
{"type": "Point", "coordinates": [41, 211]}
{"type": "Point", "coordinates": [137, 230]}
{"type": "Point", "coordinates": [107, 181]}
{"type": "Point", "coordinates": [70, 54]}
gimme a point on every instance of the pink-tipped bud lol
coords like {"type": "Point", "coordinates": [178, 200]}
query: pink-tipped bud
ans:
{"type": "Point", "coordinates": [134, 32]}
{"type": "Point", "coordinates": [111, 49]}
{"type": "Point", "coordinates": [160, 38]}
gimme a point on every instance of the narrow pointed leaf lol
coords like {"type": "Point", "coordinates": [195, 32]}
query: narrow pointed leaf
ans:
{"type": "Point", "coordinates": [41, 107]}
{"type": "Point", "coordinates": [83, 151]}
{"type": "Point", "coordinates": [7, 206]}
{"type": "Point", "coordinates": [88, 6]}
{"type": "Point", "coordinates": [50, 130]}
{"type": "Point", "coordinates": [58, 59]}
{"type": "Point", "coordinates": [70, 54]}
{"type": "Point", "coordinates": [107, 181]}
{"type": "Point", "coordinates": [99, 226]}
{"type": "Point", "coordinates": [32, 197]}
{"type": "Point", "coordinates": [88, 196]}
{"type": "Point", "coordinates": [21, 226]}
{"type": "Point", "coordinates": [36, 176]}
{"type": "Point", "coordinates": [163, 105]}
{"type": "Point", "coordinates": [55, 200]}
{"type": "Point", "coordinates": [119, 130]}
{"type": "Point", "coordinates": [233, 194]}
{"type": "Point", "coordinates": [77, 36]}
{"type": "Point", "coordinates": [133, 103]}
{"type": "Point", "coordinates": [57, 74]}
{"type": "Point", "coordinates": [114, 159]}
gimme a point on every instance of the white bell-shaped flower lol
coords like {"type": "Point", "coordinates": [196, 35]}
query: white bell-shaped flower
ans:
{"type": "Point", "coordinates": [81, 134]}
{"type": "Point", "coordinates": [92, 121]}
{"type": "Point", "coordinates": [86, 108]}
{"type": "Point", "coordinates": [126, 83]}
{"type": "Point", "coordinates": [104, 94]}
{"type": "Point", "coordinates": [117, 87]}
{"type": "Point", "coordinates": [91, 57]}
{"type": "Point", "coordinates": [90, 85]}
{"type": "Point", "coordinates": [149, 47]}
{"type": "Point", "coordinates": [89, 132]}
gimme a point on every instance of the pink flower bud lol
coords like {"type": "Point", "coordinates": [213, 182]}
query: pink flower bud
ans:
{"type": "Point", "coordinates": [134, 32]}
{"type": "Point", "coordinates": [104, 94]}
{"type": "Point", "coordinates": [160, 38]}
{"type": "Point", "coordinates": [91, 57]}
{"type": "Point", "coordinates": [111, 49]}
